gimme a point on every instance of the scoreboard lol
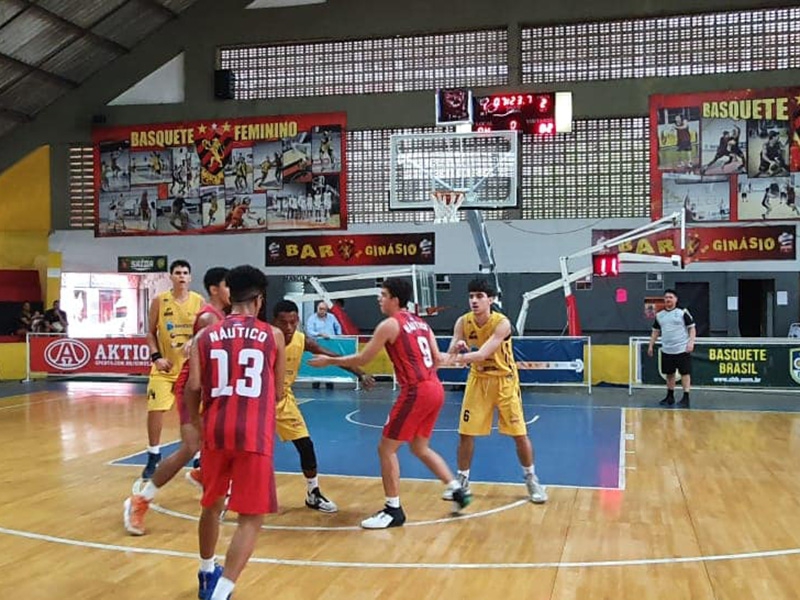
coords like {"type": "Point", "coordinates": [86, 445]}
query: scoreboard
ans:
{"type": "Point", "coordinates": [527, 113]}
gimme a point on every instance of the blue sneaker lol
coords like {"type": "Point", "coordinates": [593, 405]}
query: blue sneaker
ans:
{"type": "Point", "coordinates": [207, 582]}
{"type": "Point", "coordinates": [152, 463]}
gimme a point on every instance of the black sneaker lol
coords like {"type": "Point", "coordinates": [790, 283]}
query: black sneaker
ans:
{"type": "Point", "coordinates": [668, 401]}
{"type": "Point", "coordinates": [461, 499]}
{"type": "Point", "coordinates": [684, 403]}
{"type": "Point", "coordinates": [315, 500]}
{"type": "Point", "coordinates": [385, 518]}
{"type": "Point", "coordinates": [152, 463]}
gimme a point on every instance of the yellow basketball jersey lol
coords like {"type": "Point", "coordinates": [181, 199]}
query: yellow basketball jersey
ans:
{"type": "Point", "coordinates": [501, 363]}
{"type": "Point", "coordinates": [175, 328]}
{"type": "Point", "coordinates": [294, 354]}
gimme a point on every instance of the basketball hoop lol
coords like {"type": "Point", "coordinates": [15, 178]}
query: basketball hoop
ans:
{"type": "Point", "coordinates": [446, 203]}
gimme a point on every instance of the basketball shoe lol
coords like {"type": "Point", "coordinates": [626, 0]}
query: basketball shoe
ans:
{"type": "Point", "coordinates": [207, 581]}
{"type": "Point", "coordinates": [385, 518]}
{"type": "Point", "coordinates": [152, 463]}
{"type": "Point", "coordinates": [315, 500]}
{"type": "Point", "coordinates": [135, 508]}
{"type": "Point", "coordinates": [536, 490]}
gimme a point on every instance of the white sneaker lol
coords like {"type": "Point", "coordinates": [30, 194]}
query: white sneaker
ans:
{"type": "Point", "coordinates": [315, 500]}
{"type": "Point", "coordinates": [536, 490]}
{"type": "Point", "coordinates": [385, 518]}
{"type": "Point", "coordinates": [463, 482]}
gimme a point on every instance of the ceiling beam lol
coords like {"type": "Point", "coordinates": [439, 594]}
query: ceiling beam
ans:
{"type": "Point", "coordinates": [15, 115]}
{"type": "Point", "coordinates": [160, 7]}
{"type": "Point", "coordinates": [62, 81]}
{"type": "Point", "coordinates": [116, 48]}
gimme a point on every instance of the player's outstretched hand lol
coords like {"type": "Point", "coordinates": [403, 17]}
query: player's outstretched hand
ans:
{"type": "Point", "coordinates": [462, 346]}
{"type": "Point", "coordinates": [320, 360]}
{"type": "Point", "coordinates": [367, 381]}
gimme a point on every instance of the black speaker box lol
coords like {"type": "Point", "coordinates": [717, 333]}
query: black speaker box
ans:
{"type": "Point", "coordinates": [224, 84]}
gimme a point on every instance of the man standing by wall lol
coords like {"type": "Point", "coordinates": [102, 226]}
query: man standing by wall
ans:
{"type": "Point", "coordinates": [322, 324]}
{"type": "Point", "coordinates": [677, 330]}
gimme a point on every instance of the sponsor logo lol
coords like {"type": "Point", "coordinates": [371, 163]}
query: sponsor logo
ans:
{"type": "Point", "coordinates": [67, 354]}
{"type": "Point", "coordinates": [794, 364]}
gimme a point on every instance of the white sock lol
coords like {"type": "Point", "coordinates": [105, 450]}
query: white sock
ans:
{"type": "Point", "coordinates": [464, 473]}
{"type": "Point", "coordinates": [223, 589]}
{"type": "Point", "coordinates": [529, 471]}
{"type": "Point", "coordinates": [453, 485]}
{"type": "Point", "coordinates": [154, 449]}
{"type": "Point", "coordinates": [207, 564]}
{"type": "Point", "coordinates": [197, 455]}
{"type": "Point", "coordinates": [393, 501]}
{"type": "Point", "coordinates": [149, 490]}
{"type": "Point", "coordinates": [313, 483]}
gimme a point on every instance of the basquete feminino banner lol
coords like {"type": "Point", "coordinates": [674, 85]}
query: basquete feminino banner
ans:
{"type": "Point", "coordinates": [351, 250]}
{"type": "Point", "coordinates": [221, 175]}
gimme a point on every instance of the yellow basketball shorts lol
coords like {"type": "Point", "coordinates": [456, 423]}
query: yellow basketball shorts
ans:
{"type": "Point", "coordinates": [160, 394]}
{"type": "Point", "coordinates": [485, 394]}
{"type": "Point", "coordinates": [289, 421]}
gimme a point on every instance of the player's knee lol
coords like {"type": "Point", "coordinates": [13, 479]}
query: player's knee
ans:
{"type": "Point", "coordinates": [308, 458]}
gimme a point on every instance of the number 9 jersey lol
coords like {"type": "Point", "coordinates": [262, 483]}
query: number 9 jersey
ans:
{"type": "Point", "coordinates": [237, 365]}
{"type": "Point", "coordinates": [411, 352]}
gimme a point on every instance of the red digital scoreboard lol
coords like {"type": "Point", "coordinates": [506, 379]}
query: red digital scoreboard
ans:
{"type": "Point", "coordinates": [605, 265]}
{"type": "Point", "coordinates": [534, 114]}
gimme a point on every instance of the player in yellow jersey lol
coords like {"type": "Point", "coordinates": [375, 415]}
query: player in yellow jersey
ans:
{"type": "Point", "coordinates": [482, 339]}
{"type": "Point", "coordinates": [290, 423]}
{"type": "Point", "coordinates": [171, 315]}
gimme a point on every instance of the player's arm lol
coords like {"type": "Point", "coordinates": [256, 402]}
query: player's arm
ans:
{"type": "Point", "coordinates": [688, 320]}
{"type": "Point", "coordinates": [161, 363]}
{"type": "Point", "coordinates": [459, 341]}
{"type": "Point", "coordinates": [279, 369]}
{"type": "Point", "coordinates": [191, 393]}
{"type": "Point", "coordinates": [490, 346]}
{"type": "Point", "coordinates": [654, 333]}
{"type": "Point", "coordinates": [384, 333]}
{"type": "Point", "coordinates": [366, 380]}
{"type": "Point", "coordinates": [201, 323]}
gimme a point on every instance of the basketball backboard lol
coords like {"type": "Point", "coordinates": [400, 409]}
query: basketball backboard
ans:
{"type": "Point", "coordinates": [483, 166]}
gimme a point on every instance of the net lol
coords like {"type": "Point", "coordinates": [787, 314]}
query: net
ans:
{"type": "Point", "coordinates": [446, 204]}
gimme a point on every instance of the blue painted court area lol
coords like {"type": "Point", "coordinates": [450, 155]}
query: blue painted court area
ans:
{"type": "Point", "coordinates": [576, 446]}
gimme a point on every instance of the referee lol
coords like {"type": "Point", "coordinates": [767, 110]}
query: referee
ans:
{"type": "Point", "coordinates": [676, 328]}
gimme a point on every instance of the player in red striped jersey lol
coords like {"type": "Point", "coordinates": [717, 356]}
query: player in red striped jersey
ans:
{"type": "Point", "coordinates": [136, 505]}
{"type": "Point", "coordinates": [238, 364]}
{"type": "Point", "coordinates": [412, 349]}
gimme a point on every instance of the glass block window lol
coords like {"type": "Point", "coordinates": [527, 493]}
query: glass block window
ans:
{"type": "Point", "coordinates": [601, 170]}
{"type": "Point", "coordinates": [368, 173]}
{"type": "Point", "coordinates": [81, 188]}
{"type": "Point", "coordinates": [387, 65]}
{"type": "Point", "coordinates": [704, 44]}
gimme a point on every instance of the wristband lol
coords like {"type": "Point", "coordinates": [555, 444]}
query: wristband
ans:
{"type": "Point", "coordinates": [155, 356]}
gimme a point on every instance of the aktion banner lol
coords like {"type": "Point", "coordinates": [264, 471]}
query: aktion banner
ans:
{"type": "Point", "coordinates": [712, 244]}
{"type": "Point", "coordinates": [221, 175]}
{"type": "Point", "coordinates": [351, 250]}
{"type": "Point", "coordinates": [726, 156]}
{"type": "Point", "coordinates": [733, 365]}
{"type": "Point", "coordinates": [60, 355]}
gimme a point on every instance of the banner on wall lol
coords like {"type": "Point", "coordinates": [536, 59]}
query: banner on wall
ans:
{"type": "Point", "coordinates": [60, 355]}
{"type": "Point", "coordinates": [141, 264]}
{"type": "Point", "coordinates": [726, 156]}
{"type": "Point", "coordinates": [731, 365]}
{"type": "Point", "coordinates": [351, 250]}
{"type": "Point", "coordinates": [713, 244]}
{"type": "Point", "coordinates": [275, 173]}
{"type": "Point", "coordinates": [538, 361]}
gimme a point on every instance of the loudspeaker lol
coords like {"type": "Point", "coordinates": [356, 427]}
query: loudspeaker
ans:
{"type": "Point", "coordinates": [224, 84]}
{"type": "Point", "coordinates": [98, 119]}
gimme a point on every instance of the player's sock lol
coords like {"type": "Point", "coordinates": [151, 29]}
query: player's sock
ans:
{"type": "Point", "coordinates": [149, 490]}
{"type": "Point", "coordinates": [154, 449]}
{"type": "Point", "coordinates": [223, 590]}
{"type": "Point", "coordinates": [207, 564]}
{"type": "Point", "coordinates": [313, 483]}
{"type": "Point", "coordinates": [393, 501]}
{"type": "Point", "coordinates": [529, 471]}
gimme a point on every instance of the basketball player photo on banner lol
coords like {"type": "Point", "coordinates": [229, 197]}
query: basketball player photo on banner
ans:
{"type": "Point", "coordinates": [726, 156]}
{"type": "Point", "coordinates": [221, 175]}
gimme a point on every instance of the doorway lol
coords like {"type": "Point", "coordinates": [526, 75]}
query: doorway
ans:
{"type": "Point", "coordinates": [756, 307]}
{"type": "Point", "coordinates": [693, 295]}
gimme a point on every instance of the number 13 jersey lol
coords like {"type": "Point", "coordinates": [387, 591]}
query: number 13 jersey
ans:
{"type": "Point", "coordinates": [237, 362]}
{"type": "Point", "coordinates": [411, 352]}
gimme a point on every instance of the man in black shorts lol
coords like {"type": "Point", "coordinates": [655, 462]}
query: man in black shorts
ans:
{"type": "Point", "coordinates": [677, 330]}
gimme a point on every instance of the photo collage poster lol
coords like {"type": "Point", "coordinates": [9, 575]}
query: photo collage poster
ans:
{"type": "Point", "coordinates": [726, 156]}
{"type": "Point", "coordinates": [282, 173]}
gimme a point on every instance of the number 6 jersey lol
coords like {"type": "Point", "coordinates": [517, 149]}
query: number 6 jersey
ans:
{"type": "Point", "coordinates": [237, 362]}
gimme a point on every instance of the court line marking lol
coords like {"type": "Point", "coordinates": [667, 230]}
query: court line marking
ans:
{"type": "Point", "coordinates": [430, 566]}
{"type": "Point", "coordinates": [621, 482]}
{"type": "Point", "coordinates": [349, 418]}
{"type": "Point", "coordinates": [450, 519]}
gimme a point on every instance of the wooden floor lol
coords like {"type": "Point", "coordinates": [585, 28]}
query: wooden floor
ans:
{"type": "Point", "coordinates": [711, 510]}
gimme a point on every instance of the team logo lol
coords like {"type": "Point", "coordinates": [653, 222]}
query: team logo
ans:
{"type": "Point", "coordinates": [214, 146]}
{"type": "Point", "coordinates": [67, 354]}
{"type": "Point", "coordinates": [794, 364]}
{"type": "Point", "coordinates": [346, 248]}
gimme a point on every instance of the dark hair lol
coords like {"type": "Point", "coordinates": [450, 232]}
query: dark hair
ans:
{"type": "Point", "coordinates": [481, 285]}
{"type": "Point", "coordinates": [179, 263]}
{"type": "Point", "coordinates": [284, 306]}
{"type": "Point", "coordinates": [400, 289]}
{"type": "Point", "coordinates": [214, 276]}
{"type": "Point", "coordinates": [670, 291]}
{"type": "Point", "coordinates": [339, 301]}
{"type": "Point", "coordinates": [246, 283]}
